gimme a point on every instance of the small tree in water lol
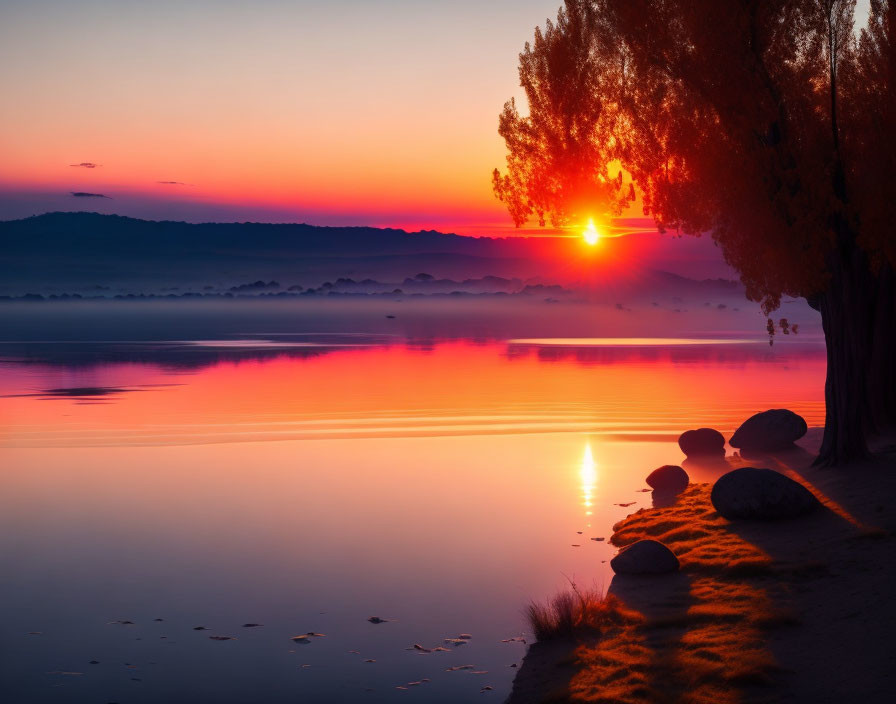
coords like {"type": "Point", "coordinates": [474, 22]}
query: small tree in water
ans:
{"type": "Point", "coordinates": [769, 124]}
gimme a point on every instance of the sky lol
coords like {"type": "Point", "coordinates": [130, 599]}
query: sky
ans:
{"type": "Point", "coordinates": [375, 112]}
{"type": "Point", "coordinates": [344, 112]}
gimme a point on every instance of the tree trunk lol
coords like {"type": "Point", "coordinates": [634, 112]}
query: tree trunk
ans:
{"type": "Point", "coordinates": [848, 322]}
{"type": "Point", "coordinates": [881, 371]}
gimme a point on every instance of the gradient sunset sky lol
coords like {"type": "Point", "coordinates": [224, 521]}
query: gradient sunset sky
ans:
{"type": "Point", "coordinates": [375, 112]}
{"type": "Point", "coordinates": [336, 112]}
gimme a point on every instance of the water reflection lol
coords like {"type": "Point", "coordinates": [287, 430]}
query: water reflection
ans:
{"type": "Point", "coordinates": [588, 474]}
{"type": "Point", "coordinates": [139, 510]}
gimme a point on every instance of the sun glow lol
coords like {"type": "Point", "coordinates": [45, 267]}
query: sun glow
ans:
{"type": "Point", "coordinates": [591, 234]}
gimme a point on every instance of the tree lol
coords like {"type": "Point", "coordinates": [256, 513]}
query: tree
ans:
{"type": "Point", "coordinates": [765, 123]}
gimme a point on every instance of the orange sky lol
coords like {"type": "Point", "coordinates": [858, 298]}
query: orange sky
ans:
{"type": "Point", "coordinates": [346, 112]}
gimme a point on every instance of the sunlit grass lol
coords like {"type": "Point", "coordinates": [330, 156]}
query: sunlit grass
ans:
{"type": "Point", "coordinates": [575, 612]}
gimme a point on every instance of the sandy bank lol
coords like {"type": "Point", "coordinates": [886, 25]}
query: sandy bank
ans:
{"type": "Point", "coordinates": [791, 611]}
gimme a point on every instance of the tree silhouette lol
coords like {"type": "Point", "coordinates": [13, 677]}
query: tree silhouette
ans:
{"type": "Point", "coordinates": [767, 124]}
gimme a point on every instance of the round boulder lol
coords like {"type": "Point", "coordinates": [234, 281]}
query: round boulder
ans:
{"type": "Point", "coordinates": [645, 557]}
{"type": "Point", "coordinates": [775, 429]}
{"type": "Point", "coordinates": [703, 441]}
{"type": "Point", "coordinates": [668, 479]}
{"type": "Point", "coordinates": [760, 494]}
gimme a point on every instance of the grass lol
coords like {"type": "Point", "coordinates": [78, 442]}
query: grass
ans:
{"type": "Point", "coordinates": [573, 612]}
{"type": "Point", "coordinates": [705, 645]}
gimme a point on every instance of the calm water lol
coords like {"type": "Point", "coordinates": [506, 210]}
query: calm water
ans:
{"type": "Point", "coordinates": [309, 482]}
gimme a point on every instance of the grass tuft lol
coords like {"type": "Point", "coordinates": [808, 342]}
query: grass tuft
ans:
{"type": "Point", "coordinates": [572, 612]}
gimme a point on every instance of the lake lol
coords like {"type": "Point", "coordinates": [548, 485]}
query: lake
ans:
{"type": "Point", "coordinates": [308, 482]}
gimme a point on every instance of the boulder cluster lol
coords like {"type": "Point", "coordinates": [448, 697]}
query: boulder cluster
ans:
{"type": "Point", "coordinates": [746, 493]}
{"type": "Point", "coordinates": [768, 431]}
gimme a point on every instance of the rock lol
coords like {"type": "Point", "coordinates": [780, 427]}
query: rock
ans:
{"type": "Point", "coordinates": [703, 441]}
{"type": "Point", "coordinates": [776, 429]}
{"type": "Point", "coordinates": [645, 557]}
{"type": "Point", "coordinates": [668, 479]}
{"type": "Point", "coordinates": [760, 494]}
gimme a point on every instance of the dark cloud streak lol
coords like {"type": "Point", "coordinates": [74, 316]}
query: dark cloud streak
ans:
{"type": "Point", "coordinates": [82, 194]}
{"type": "Point", "coordinates": [84, 165]}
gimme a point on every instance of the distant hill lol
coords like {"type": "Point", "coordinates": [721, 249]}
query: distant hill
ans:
{"type": "Point", "coordinates": [88, 252]}
{"type": "Point", "coordinates": [83, 250]}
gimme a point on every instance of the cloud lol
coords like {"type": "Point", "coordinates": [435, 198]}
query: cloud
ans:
{"type": "Point", "coordinates": [85, 165]}
{"type": "Point", "coordinates": [82, 194]}
{"type": "Point", "coordinates": [171, 183]}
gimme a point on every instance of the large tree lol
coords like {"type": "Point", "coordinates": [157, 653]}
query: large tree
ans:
{"type": "Point", "coordinates": [769, 124]}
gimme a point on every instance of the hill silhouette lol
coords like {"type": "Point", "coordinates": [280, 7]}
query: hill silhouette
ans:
{"type": "Point", "coordinates": [82, 252]}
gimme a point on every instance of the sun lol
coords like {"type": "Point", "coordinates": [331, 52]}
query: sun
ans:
{"type": "Point", "coordinates": [591, 234]}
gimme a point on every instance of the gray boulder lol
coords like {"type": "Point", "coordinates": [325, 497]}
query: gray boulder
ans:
{"type": "Point", "coordinates": [668, 479]}
{"type": "Point", "coordinates": [703, 441]}
{"type": "Point", "coordinates": [645, 557]}
{"type": "Point", "coordinates": [776, 429]}
{"type": "Point", "coordinates": [760, 494]}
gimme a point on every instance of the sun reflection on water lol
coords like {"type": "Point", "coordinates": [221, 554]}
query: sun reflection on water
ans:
{"type": "Point", "coordinates": [588, 475]}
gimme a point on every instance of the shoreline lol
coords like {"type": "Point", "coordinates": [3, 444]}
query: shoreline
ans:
{"type": "Point", "coordinates": [794, 611]}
